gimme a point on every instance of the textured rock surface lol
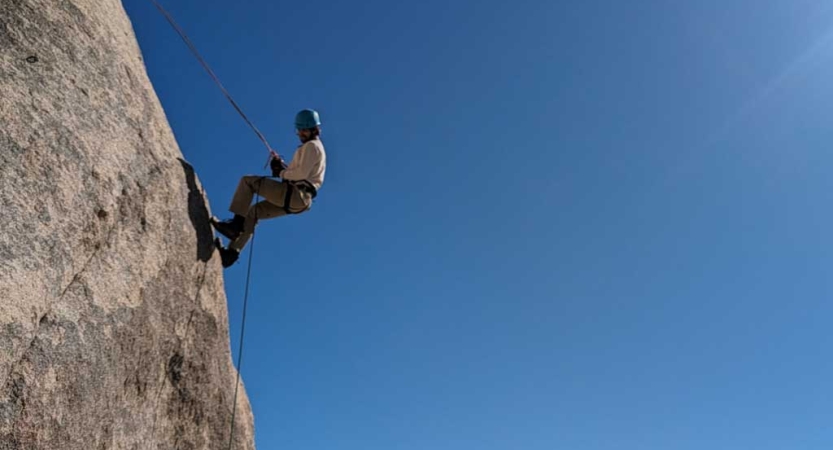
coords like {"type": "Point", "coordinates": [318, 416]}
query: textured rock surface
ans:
{"type": "Point", "coordinates": [113, 322]}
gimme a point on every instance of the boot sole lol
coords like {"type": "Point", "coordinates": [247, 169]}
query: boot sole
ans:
{"type": "Point", "coordinates": [219, 245]}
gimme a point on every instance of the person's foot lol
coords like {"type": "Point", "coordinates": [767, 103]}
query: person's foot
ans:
{"type": "Point", "coordinates": [228, 256]}
{"type": "Point", "coordinates": [230, 228]}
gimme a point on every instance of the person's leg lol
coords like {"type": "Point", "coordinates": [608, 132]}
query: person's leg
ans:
{"type": "Point", "coordinates": [271, 190]}
{"type": "Point", "coordinates": [259, 211]}
{"type": "Point", "coordinates": [275, 194]}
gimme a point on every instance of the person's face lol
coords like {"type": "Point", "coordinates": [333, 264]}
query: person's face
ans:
{"type": "Point", "coordinates": [304, 135]}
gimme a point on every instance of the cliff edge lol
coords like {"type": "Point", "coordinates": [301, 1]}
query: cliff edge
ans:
{"type": "Point", "coordinates": [113, 321]}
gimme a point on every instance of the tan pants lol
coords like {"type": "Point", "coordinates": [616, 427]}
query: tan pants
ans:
{"type": "Point", "coordinates": [272, 205]}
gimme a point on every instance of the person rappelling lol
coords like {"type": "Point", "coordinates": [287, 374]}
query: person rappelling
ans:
{"type": "Point", "coordinates": [299, 184]}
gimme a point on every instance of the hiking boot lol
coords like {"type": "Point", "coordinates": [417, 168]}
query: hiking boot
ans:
{"type": "Point", "coordinates": [230, 228]}
{"type": "Point", "coordinates": [228, 256]}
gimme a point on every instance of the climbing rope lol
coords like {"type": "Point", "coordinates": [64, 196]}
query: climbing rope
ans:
{"type": "Point", "coordinates": [207, 68]}
{"type": "Point", "coordinates": [243, 321]}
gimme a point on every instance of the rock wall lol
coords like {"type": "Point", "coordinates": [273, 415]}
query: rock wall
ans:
{"type": "Point", "coordinates": [113, 321]}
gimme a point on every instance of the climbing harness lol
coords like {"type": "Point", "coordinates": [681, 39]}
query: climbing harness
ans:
{"type": "Point", "coordinates": [306, 186]}
{"type": "Point", "coordinates": [302, 186]}
{"type": "Point", "coordinates": [287, 198]}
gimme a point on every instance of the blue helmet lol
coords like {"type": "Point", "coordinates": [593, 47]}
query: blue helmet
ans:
{"type": "Point", "coordinates": [306, 119]}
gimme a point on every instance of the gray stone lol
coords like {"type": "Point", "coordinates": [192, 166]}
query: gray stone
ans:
{"type": "Point", "coordinates": [113, 322]}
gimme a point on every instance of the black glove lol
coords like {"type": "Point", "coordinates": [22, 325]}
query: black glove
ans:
{"type": "Point", "coordinates": [277, 166]}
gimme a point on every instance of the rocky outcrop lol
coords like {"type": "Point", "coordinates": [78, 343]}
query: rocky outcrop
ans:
{"type": "Point", "coordinates": [113, 321]}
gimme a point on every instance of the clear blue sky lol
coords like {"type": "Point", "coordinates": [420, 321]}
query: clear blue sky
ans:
{"type": "Point", "coordinates": [578, 225]}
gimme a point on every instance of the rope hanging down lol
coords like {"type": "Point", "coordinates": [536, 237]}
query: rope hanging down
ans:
{"type": "Point", "coordinates": [214, 77]}
{"type": "Point", "coordinates": [243, 326]}
{"type": "Point", "coordinates": [205, 66]}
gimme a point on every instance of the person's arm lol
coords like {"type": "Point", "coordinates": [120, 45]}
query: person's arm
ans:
{"type": "Point", "coordinates": [277, 164]}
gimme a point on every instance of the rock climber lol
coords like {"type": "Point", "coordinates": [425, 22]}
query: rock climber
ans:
{"type": "Point", "coordinates": [293, 194]}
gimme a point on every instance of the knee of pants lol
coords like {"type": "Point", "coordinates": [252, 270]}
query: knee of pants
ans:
{"type": "Point", "coordinates": [251, 180]}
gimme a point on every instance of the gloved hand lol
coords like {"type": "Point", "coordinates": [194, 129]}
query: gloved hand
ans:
{"type": "Point", "coordinates": [277, 164]}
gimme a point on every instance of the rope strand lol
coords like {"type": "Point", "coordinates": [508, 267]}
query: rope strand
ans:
{"type": "Point", "coordinates": [243, 322]}
{"type": "Point", "coordinates": [207, 68]}
{"type": "Point", "coordinates": [240, 349]}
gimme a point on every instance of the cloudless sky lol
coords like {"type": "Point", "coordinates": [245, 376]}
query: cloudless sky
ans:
{"type": "Point", "coordinates": [581, 225]}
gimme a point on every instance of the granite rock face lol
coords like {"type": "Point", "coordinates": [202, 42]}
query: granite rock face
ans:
{"type": "Point", "coordinates": [113, 322]}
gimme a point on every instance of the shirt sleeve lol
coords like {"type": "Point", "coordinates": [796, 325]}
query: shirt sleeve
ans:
{"type": "Point", "coordinates": [303, 163]}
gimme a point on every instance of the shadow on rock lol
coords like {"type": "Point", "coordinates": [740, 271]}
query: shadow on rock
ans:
{"type": "Point", "coordinates": [198, 213]}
